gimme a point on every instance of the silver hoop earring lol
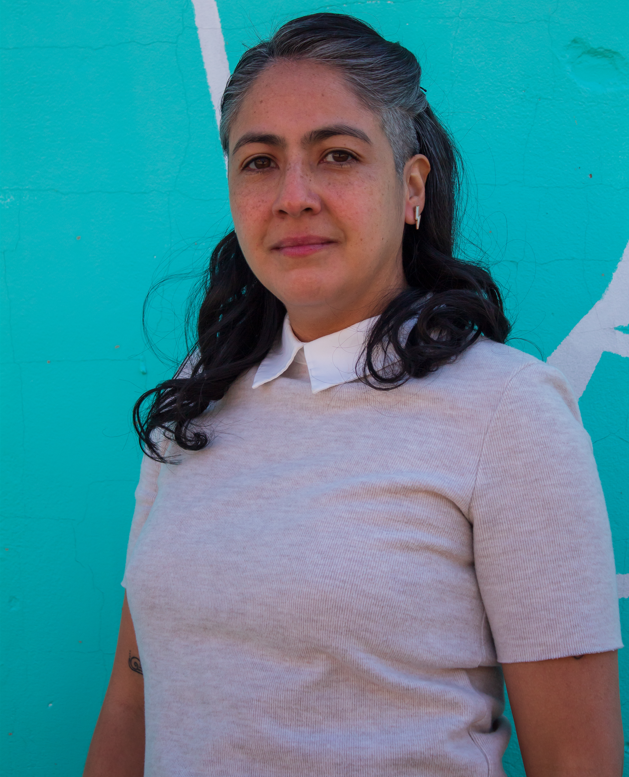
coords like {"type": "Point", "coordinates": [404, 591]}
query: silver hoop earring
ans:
{"type": "Point", "coordinates": [418, 217]}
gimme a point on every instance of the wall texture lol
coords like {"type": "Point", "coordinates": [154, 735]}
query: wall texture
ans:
{"type": "Point", "coordinates": [112, 177]}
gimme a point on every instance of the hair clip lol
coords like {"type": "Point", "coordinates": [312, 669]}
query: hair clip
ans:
{"type": "Point", "coordinates": [423, 90]}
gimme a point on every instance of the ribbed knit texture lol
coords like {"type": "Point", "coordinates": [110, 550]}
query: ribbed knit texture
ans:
{"type": "Point", "coordinates": [325, 591]}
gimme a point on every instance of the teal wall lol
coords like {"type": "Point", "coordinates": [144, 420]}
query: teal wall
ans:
{"type": "Point", "coordinates": [112, 177]}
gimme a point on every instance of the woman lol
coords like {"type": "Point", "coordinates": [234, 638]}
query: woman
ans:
{"type": "Point", "coordinates": [357, 503]}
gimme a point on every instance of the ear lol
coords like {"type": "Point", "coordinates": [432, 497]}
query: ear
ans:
{"type": "Point", "coordinates": [415, 173]}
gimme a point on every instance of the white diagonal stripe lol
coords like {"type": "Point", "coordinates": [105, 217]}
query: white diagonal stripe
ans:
{"type": "Point", "coordinates": [213, 49]}
{"type": "Point", "coordinates": [597, 332]}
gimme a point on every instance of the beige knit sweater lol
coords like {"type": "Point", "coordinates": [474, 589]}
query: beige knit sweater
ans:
{"type": "Point", "coordinates": [327, 590]}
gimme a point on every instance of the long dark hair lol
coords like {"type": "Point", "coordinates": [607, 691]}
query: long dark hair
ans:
{"type": "Point", "coordinates": [453, 301]}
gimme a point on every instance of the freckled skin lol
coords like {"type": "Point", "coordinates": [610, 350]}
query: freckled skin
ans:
{"type": "Point", "coordinates": [342, 189]}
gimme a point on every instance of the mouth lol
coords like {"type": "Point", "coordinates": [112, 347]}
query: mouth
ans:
{"type": "Point", "coordinates": [302, 245]}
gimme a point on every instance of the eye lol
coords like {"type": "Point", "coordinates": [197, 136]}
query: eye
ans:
{"type": "Point", "coordinates": [258, 163]}
{"type": "Point", "coordinates": [340, 157]}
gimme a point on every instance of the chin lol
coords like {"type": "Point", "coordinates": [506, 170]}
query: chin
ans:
{"type": "Point", "coordinates": [308, 291]}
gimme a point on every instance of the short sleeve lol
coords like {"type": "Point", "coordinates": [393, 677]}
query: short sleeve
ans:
{"type": "Point", "coordinates": [542, 541]}
{"type": "Point", "coordinates": [146, 490]}
{"type": "Point", "coordinates": [145, 494]}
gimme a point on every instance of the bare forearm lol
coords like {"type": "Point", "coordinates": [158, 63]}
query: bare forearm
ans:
{"type": "Point", "coordinates": [599, 754]}
{"type": "Point", "coordinates": [117, 747]}
{"type": "Point", "coordinates": [567, 766]}
{"type": "Point", "coordinates": [567, 715]}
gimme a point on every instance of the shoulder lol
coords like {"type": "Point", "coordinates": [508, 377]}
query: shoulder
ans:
{"type": "Point", "coordinates": [521, 375]}
{"type": "Point", "coordinates": [495, 361]}
{"type": "Point", "coordinates": [489, 376]}
{"type": "Point", "coordinates": [522, 391]}
{"type": "Point", "coordinates": [501, 362]}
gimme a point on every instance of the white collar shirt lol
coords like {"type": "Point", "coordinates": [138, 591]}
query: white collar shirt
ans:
{"type": "Point", "coordinates": [331, 360]}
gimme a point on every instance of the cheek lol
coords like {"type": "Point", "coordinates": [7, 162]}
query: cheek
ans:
{"type": "Point", "coordinates": [373, 214]}
{"type": "Point", "coordinates": [250, 213]}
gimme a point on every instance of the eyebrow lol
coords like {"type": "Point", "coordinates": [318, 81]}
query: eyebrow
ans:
{"type": "Point", "coordinates": [256, 137]}
{"type": "Point", "coordinates": [316, 136]}
{"type": "Point", "coordinates": [313, 137]}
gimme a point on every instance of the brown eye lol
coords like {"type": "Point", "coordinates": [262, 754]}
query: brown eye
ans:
{"type": "Point", "coordinates": [259, 163]}
{"type": "Point", "coordinates": [340, 157]}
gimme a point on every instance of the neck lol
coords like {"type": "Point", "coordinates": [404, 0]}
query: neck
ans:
{"type": "Point", "coordinates": [309, 327]}
{"type": "Point", "coordinates": [309, 322]}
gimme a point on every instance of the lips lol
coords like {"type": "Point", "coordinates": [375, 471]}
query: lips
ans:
{"type": "Point", "coordinates": [299, 241]}
{"type": "Point", "coordinates": [302, 245]}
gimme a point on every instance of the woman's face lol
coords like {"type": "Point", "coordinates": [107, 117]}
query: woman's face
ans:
{"type": "Point", "coordinates": [318, 207]}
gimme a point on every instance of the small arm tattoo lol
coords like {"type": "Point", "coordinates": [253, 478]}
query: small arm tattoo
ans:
{"type": "Point", "coordinates": [578, 657]}
{"type": "Point", "coordinates": [134, 664]}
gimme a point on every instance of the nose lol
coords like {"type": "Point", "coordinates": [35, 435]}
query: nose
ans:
{"type": "Point", "coordinates": [296, 194]}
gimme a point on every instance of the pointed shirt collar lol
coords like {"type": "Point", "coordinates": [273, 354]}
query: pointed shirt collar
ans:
{"type": "Point", "coordinates": [331, 360]}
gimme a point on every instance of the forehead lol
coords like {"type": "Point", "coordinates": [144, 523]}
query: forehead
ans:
{"type": "Point", "coordinates": [291, 98]}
